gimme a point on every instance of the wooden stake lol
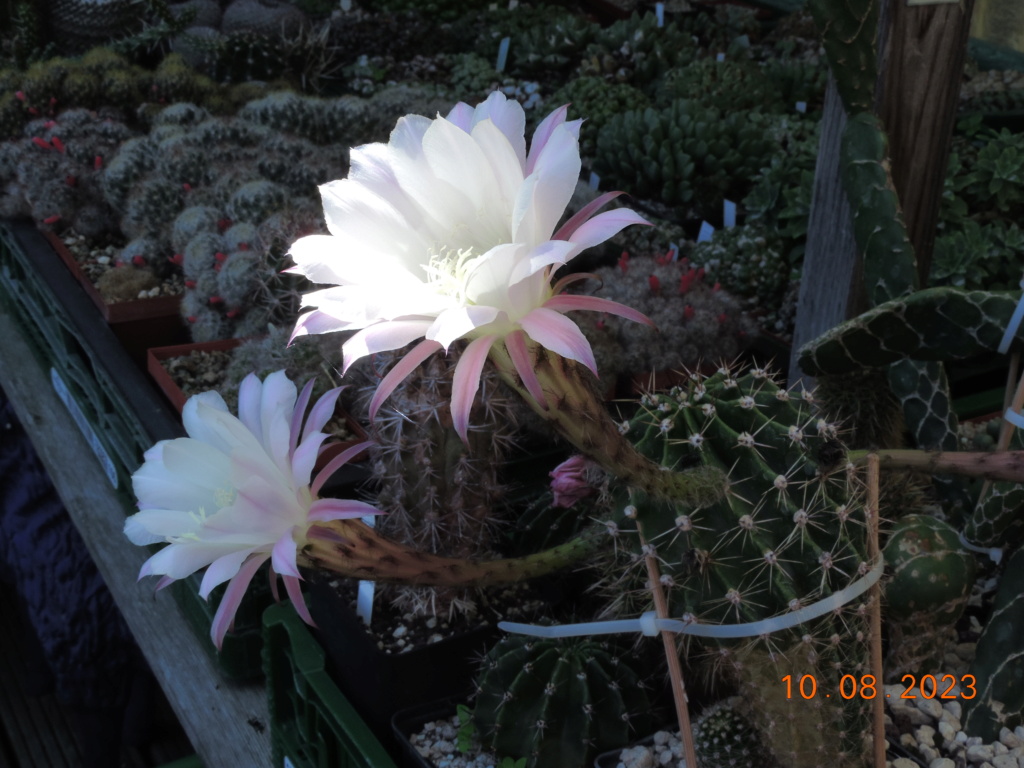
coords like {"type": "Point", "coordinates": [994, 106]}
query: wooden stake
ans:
{"type": "Point", "coordinates": [878, 703]}
{"type": "Point", "coordinates": [675, 671]}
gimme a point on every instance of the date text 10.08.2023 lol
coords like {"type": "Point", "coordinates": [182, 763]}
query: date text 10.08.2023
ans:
{"type": "Point", "coordinates": [866, 687]}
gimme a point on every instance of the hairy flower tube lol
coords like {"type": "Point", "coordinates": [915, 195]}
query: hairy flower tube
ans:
{"type": "Point", "coordinates": [448, 232]}
{"type": "Point", "coordinates": [236, 492]}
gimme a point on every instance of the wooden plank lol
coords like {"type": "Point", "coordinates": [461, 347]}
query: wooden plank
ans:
{"type": "Point", "coordinates": [830, 280]}
{"type": "Point", "coordinates": [922, 72]}
{"type": "Point", "coordinates": [213, 713]}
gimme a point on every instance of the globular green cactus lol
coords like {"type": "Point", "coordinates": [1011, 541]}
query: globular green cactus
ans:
{"type": "Point", "coordinates": [863, 405]}
{"type": "Point", "coordinates": [995, 520]}
{"type": "Point", "coordinates": [558, 702]}
{"type": "Point", "coordinates": [322, 121]}
{"type": "Point", "coordinates": [936, 324]}
{"type": "Point", "coordinates": [190, 222]}
{"type": "Point", "coordinates": [724, 738]}
{"type": "Point", "coordinates": [683, 152]}
{"type": "Point", "coordinates": [997, 672]}
{"type": "Point", "coordinates": [256, 200]}
{"type": "Point", "coordinates": [152, 203]}
{"type": "Point", "coordinates": [790, 532]}
{"type": "Point", "coordinates": [931, 579]}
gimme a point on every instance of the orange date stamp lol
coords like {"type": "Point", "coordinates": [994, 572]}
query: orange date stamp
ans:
{"type": "Point", "coordinates": [866, 687]}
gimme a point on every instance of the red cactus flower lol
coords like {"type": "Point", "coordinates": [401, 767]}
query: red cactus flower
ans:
{"type": "Point", "coordinates": [191, 318]}
{"type": "Point", "coordinates": [70, 180]}
{"type": "Point", "coordinates": [138, 261]}
{"type": "Point", "coordinates": [177, 259]}
{"type": "Point", "coordinates": [97, 163]}
{"type": "Point", "coordinates": [722, 318]}
{"type": "Point", "coordinates": [58, 144]}
{"type": "Point", "coordinates": [220, 256]}
{"type": "Point", "coordinates": [223, 224]}
{"type": "Point", "coordinates": [215, 300]}
{"type": "Point", "coordinates": [243, 246]}
{"type": "Point", "coordinates": [624, 262]}
{"type": "Point", "coordinates": [688, 312]}
{"type": "Point", "coordinates": [231, 313]}
{"type": "Point", "coordinates": [52, 219]}
{"type": "Point", "coordinates": [19, 95]}
{"type": "Point", "coordinates": [41, 143]}
{"type": "Point", "coordinates": [190, 283]}
{"type": "Point", "coordinates": [187, 187]}
{"type": "Point", "coordinates": [654, 283]}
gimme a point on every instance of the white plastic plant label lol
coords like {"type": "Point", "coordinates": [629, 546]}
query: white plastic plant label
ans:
{"type": "Point", "coordinates": [288, 763]}
{"type": "Point", "coordinates": [84, 426]}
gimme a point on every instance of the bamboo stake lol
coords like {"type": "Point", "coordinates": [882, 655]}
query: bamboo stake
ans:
{"type": "Point", "coordinates": [675, 671]}
{"type": "Point", "coordinates": [878, 705]}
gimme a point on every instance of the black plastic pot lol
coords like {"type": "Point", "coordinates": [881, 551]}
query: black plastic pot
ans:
{"type": "Point", "coordinates": [412, 720]}
{"type": "Point", "coordinates": [380, 684]}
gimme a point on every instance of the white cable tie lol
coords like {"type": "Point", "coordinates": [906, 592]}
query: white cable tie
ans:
{"type": "Point", "coordinates": [1013, 325]}
{"type": "Point", "coordinates": [995, 554]}
{"type": "Point", "coordinates": [649, 625]}
{"type": "Point", "coordinates": [1014, 418]}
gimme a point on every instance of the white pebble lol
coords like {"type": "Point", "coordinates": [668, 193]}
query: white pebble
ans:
{"type": "Point", "coordinates": [979, 753]}
{"type": "Point", "coordinates": [1009, 738]}
{"type": "Point", "coordinates": [925, 735]}
{"type": "Point", "coordinates": [954, 708]}
{"type": "Point", "coordinates": [930, 707]}
{"type": "Point", "coordinates": [903, 762]}
{"type": "Point", "coordinates": [1004, 761]}
{"type": "Point", "coordinates": [942, 762]}
{"type": "Point", "coordinates": [400, 631]}
{"type": "Point", "coordinates": [947, 731]}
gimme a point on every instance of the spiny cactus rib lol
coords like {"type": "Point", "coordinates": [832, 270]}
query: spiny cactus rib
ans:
{"type": "Point", "coordinates": [557, 702]}
{"type": "Point", "coordinates": [936, 324]}
{"type": "Point", "coordinates": [1006, 465]}
{"type": "Point", "coordinates": [849, 29]}
{"type": "Point", "coordinates": [578, 414]}
{"type": "Point", "coordinates": [890, 269]}
{"type": "Point", "coordinates": [998, 664]}
{"type": "Point", "coordinates": [789, 531]}
{"type": "Point", "coordinates": [351, 548]}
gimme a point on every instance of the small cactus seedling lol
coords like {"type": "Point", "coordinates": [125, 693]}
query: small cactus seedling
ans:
{"type": "Point", "coordinates": [557, 702]}
{"type": "Point", "coordinates": [932, 576]}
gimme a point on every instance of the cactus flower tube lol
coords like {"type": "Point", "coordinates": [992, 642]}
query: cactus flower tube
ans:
{"type": "Point", "coordinates": [448, 232]}
{"type": "Point", "coordinates": [236, 492]}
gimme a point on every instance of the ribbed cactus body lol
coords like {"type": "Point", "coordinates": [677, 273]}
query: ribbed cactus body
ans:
{"type": "Point", "coordinates": [932, 577]}
{"type": "Point", "coordinates": [789, 532]}
{"type": "Point", "coordinates": [557, 702]}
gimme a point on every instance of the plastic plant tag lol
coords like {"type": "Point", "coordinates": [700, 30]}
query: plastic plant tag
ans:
{"type": "Point", "coordinates": [728, 214]}
{"type": "Point", "coordinates": [84, 426]}
{"type": "Point", "coordinates": [720, 57]}
{"type": "Point", "coordinates": [364, 595]}
{"type": "Point", "coordinates": [595, 181]}
{"type": "Point", "coordinates": [801, 106]}
{"type": "Point", "coordinates": [673, 248]}
{"type": "Point", "coordinates": [513, 4]}
{"type": "Point", "coordinates": [1013, 325]}
{"type": "Point", "coordinates": [502, 53]}
{"type": "Point", "coordinates": [659, 12]}
{"type": "Point", "coordinates": [346, 6]}
{"type": "Point", "coordinates": [706, 231]}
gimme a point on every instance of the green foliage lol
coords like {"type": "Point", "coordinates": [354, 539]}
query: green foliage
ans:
{"type": "Point", "coordinates": [994, 178]}
{"type": "Point", "coordinates": [638, 51]}
{"type": "Point", "coordinates": [597, 100]}
{"type": "Point", "coordinates": [979, 256]}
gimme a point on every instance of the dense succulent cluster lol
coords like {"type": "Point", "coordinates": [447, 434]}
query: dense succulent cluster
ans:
{"type": "Point", "coordinates": [558, 702]}
{"type": "Point", "coordinates": [597, 100]}
{"type": "Point", "coordinates": [692, 317]}
{"type": "Point", "coordinates": [789, 532]}
{"type": "Point", "coordinates": [684, 153]}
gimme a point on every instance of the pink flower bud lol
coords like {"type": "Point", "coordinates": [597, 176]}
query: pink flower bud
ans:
{"type": "Point", "coordinates": [689, 312]}
{"type": "Point", "coordinates": [654, 283]}
{"type": "Point", "coordinates": [58, 144]}
{"type": "Point", "coordinates": [624, 262]}
{"type": "Point", "coordinates": [570, 482]}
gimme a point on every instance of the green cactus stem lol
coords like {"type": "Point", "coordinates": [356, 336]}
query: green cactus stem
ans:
{"type": "Point", "coordinates": [351, 548]}
{"type": "Point", "coordinates": [848, 29]}
{"type": "Point", "coordinates": [578, 414]}
{"type": "Point", "coordinates": [936, 324]}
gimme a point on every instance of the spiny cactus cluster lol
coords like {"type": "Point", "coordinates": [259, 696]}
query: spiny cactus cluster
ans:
{"type": "Point", "coordinates": [748, 261]}
{"type": "Point", "coordinates": [789, 532]}
{"type": "Point", "coordinates": [683, 153]}
{"type": "Point", "coordinates": [638, 51]}
{"type": "Point", "coordinates": [597, 100]}
{"type": "Point", "coordinates": [558, 702]}
{"type": "Point", "coordinates": [438, 493]}
{"type": "Point", "coordinates": [196, 192]}
{"type": "Point", "coordinates": [53, 174]}
{"type": "Point", "coordinates": [691, 315]}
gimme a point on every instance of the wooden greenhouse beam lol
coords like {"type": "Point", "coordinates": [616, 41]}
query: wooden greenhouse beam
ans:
{"type": "Point", "coordinates": [922, 69]}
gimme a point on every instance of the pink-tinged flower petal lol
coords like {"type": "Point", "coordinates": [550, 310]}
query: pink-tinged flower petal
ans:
{"type": "Point", "coordinates": [466, 382]}
{"type": "Point", "coordinates": [272, 578]}
{"type": "Point", "coordinates": [382, 337]}
{"type": "Point", "coordinates": [163, 581]}
{"type": "Point", "coordinates": [291, 586]}
{"type": "Point", "coordinates": [462, 116]}
{"type": "Point", "coordinates": [282, 557]}
{"type": "Point", "coordinates": [605, 225]}
{"type": "Point", "coordinates": [543, 133]}
{"type": "Point", "coordinates": [568, 302]}
{"type": "Point", "coordinates": [561, 335]}
{"type": "Point", "coordinates": [277, 402]}
{"type": "Point", "coordinates": [305, 456]}
{"type": "Point", "coordinates": [249, 394]}
{"type": "Point", "coordinates": [568, 280]}
{"type": "Point", "coordinates": [334, 465]}
{"type": "Point", "coordinates": [455, 323]}
{"type": "Point", "coordinates": [154, 526]}
{"type": "Point", "coordinates": [515, 343]}
{"type": "Point", "coordinates": [583, 214]}
{"type": "Point", "coordinates": [399, 371]}
{"type": "Point", "coordinates": [548, 189]}
{"type": "Point", "coordinates": [323, 412]}
{"type": "Point", "coordinates": [295, 429]}
{"type": "Point", "coordinates": [507, 169]}
{"type": "Point", "coordinates": [340, 509]}
{"type": "Point", "coordinates": [222, 569]}
{"type": "Point", "coordinates": [315, 322]}
{"type": "Point", "coordinates": [233, 595]}
{"type": "Point", "coordinates": [508, 117]}
{"type": "Point", "coordinates": [198, 427]}
{"type": "Point", "coordinates": [544, 255]}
